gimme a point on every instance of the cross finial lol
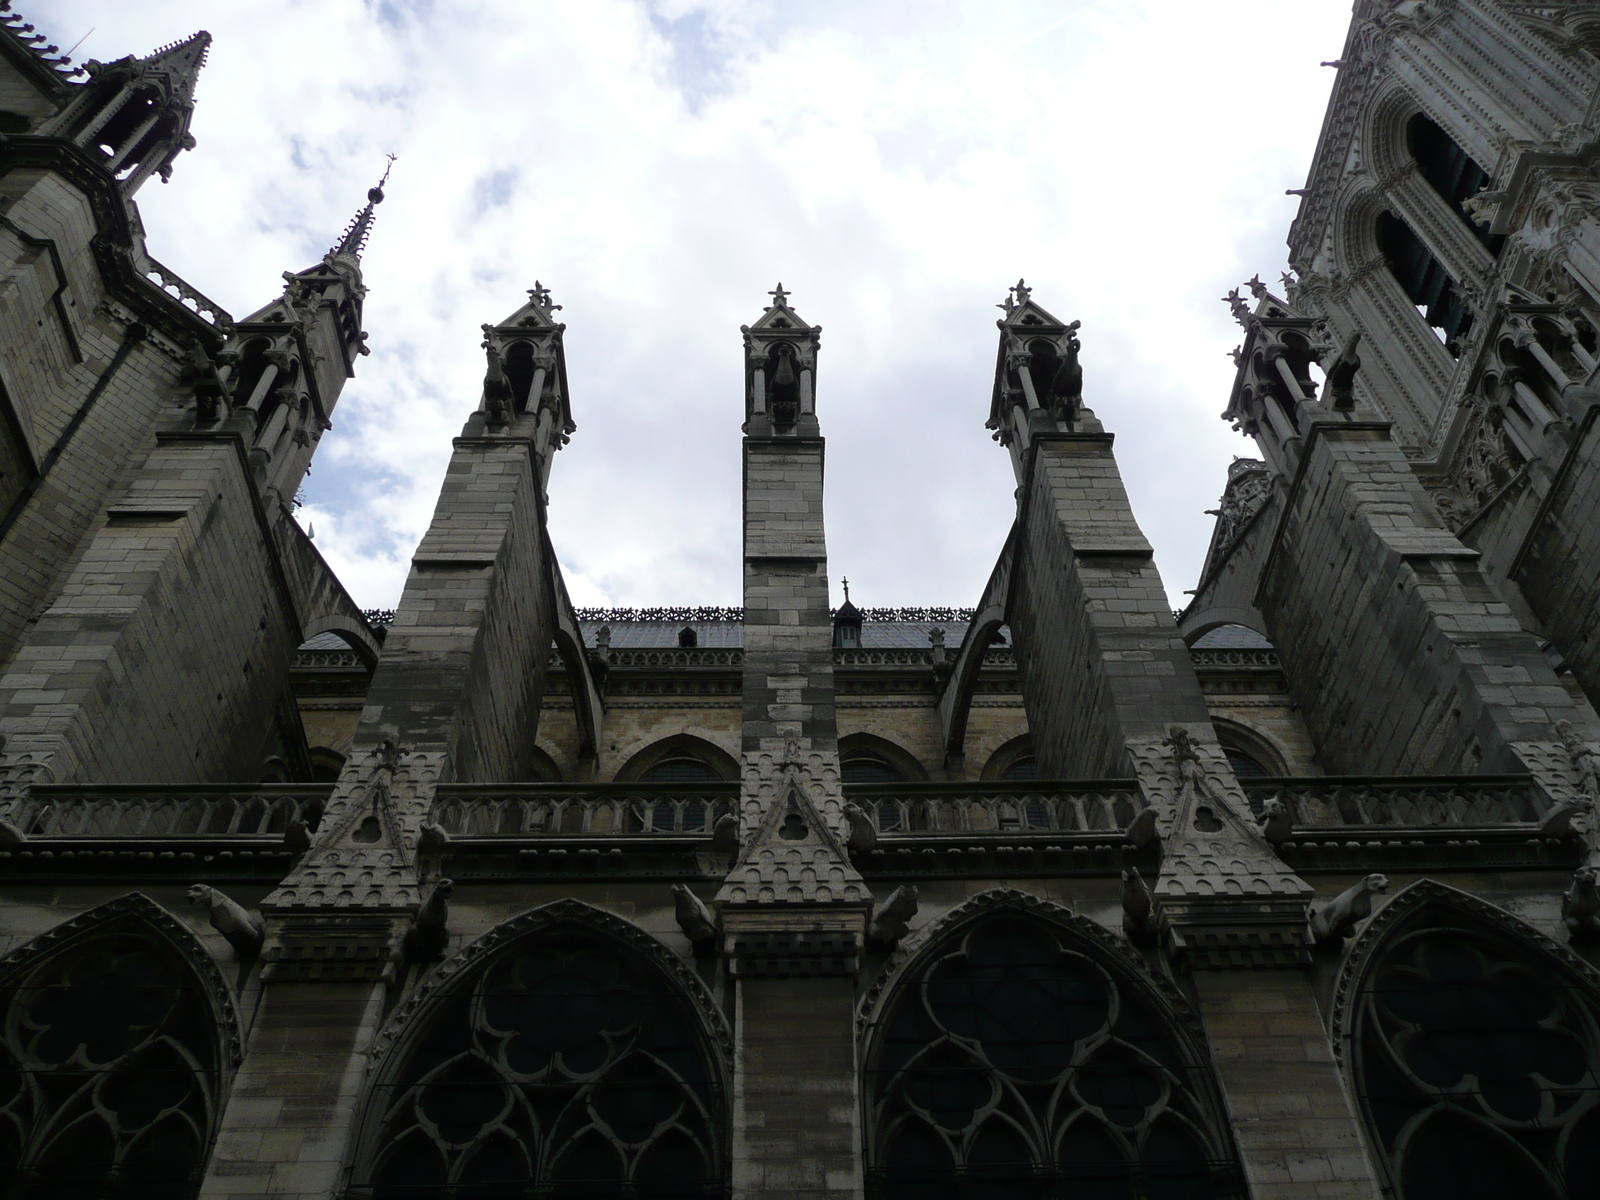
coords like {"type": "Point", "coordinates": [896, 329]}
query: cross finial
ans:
{"type": "Point", "coordinates": [846, 583]}
{"type": "Point", "coordinates": [779, 296]}
{"type": "Point", "coordinates": [540, 295]}
{"type": "Point", "coordinates": [1023, 291]}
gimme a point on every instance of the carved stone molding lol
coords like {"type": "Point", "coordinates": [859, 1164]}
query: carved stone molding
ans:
{"type": "Point", "coordinates": [1407, 906]}
{"type": "Point", "coordinates": [1091, 938]}
{"type": "Point", "coordinates": [409, 1017]}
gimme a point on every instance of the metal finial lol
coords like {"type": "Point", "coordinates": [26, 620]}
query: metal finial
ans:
{"type": "Point", "coordinates": [355, 234]}
{"type": "Point", "coordinates": [375, 194]}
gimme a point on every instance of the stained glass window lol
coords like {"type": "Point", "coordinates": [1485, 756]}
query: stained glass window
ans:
{"type": "Point", "coordinates": [109, 1075]}
{"type": "Point", "coordinates": [1477, 1066]}
{"type": "Point", "coordinates": [1014, 1065]}
{"type": "Point", "coordinates": [566, 1067]}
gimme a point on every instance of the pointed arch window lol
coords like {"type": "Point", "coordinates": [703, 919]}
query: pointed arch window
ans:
{"type": "Point", "coordinates": [1450, 172]}
{"type": "Point", "coordinates": [1476, 1058]}
{"type": "Point", "coordinates": [1424, 278]}
{"type": "Point", "coordinates": [567, 1067]}
{"type": "Point", "coordinates": [111, 1073]}
{"type": "Point", "coordinates": [1013, 1064]}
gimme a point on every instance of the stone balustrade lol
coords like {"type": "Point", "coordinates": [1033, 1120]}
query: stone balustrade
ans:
{"type": "Point", "coordinates": [1000, 807]}
{"type": "Point", "coordinates": [1416, 802]}
{"type": "Point", "coordinates": [167, 811]}
{"type": "Point", "coordinates": [592, 810]}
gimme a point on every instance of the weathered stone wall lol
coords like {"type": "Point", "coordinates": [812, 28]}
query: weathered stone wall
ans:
{"type": "Point", "coordinates": [788, 630]}
{"type": "Point", "coordinates": [1400, 651]}
{"type": "Point", "coordinates": [166, 651]}
{"type": "Point", "coordinates": [1560, 570]}
{"type": "Point", "coordinates": [464, 662]}
{"type": "Point", "coordinates": [19, 95]}
{"type": "Point", "coordinates": [1100, 655]}
{"type": "Point", "coordinates": [48, 222]}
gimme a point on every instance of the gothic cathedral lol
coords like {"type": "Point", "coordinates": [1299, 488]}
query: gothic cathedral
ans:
{"type": "Point", "coordinates": [1291, 894]}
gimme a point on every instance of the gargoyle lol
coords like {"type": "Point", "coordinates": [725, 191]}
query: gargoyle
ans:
{"type": "Point", "coordinates": [432, 839]}
{"type": "Point", "coordinates": [1276, 822]}
{"type": "Point", "coordinates": [1339, 916]}
{"type": "Point", "coordinates": [1142, 829]}
{"type": "Point", "coordinates": [1558, 822]}
{"type": "Point", "coordinates": [863, 834]}
{"type": "Point", "coordinates": [1138, 922]}
{"type": "Point", "coordinates": [429, 933]}
{"type": "Point", "coordinates": [1342, 375]}
{"type": "Point", "coordinates": [725, 834]}
{"type": "Point", "coordinates": [496, 388]}
{"type": "Point", "coordinates": [1580, 906]}
{"type": "Point", "coordinates": [694, 918]}
{"type": "Point", "coordinates": [1066, 389]}
{"type": "Point", "coordinates": [297, 838]}
{"type": "Point", "coordinates": [244, 930]}
{"type": "Point", "coordinates": [889, 921]}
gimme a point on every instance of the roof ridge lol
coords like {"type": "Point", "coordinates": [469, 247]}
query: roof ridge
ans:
{"type": "Point", "coordinates": [23, 33]}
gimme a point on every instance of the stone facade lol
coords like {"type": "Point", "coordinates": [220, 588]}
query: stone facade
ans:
{"type": "Point", "coordinates": [1064, 894]}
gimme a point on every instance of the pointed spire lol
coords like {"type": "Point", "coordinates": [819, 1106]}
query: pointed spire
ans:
{"type": "Point", "coordinates": [355, 234]}
{"type": "Point", "coordinates": [180, 63]}
{"type": "Point", "coordinates": [136, 111]}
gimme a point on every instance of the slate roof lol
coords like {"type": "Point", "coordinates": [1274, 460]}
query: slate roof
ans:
{"type": "Point", "coordinates": [1231, 637]}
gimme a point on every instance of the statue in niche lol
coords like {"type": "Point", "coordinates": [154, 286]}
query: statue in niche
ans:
{"type": "Point", "coordinates": [1342, 374]}
{"type": "Point", "coordinates": [783, 384]}
{"type": "Point", "coordinates": [1066, 389]}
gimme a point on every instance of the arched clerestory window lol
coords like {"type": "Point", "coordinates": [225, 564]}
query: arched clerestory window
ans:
{"type": "Point", "coordinates": [1450, 172]}
{"type": "Point", "coordinates": [1474, 1047]}
{"type": "Point", "coordinates": [115, 1058]}
{"type": "Point", "coordinates": [561, 1060]}
{"type": "Point", "coordinates": [1020, 1057]}
{"type": "Point", "coordinates": [1424, 278]}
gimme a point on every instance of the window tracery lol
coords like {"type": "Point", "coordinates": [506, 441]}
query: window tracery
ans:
{"type": "Point", "coordinates": [111, 1073]}
{"type": "Point", "coordinates": [1476, 1059]}
{"type": "Point", "coordinates": [1013, 1064]}
{"type": "Point", "coordinates": [564, 1067]}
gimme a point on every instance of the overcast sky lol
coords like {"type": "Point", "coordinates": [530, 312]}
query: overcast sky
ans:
{"type": "Point", "coordinates": [661, 165]}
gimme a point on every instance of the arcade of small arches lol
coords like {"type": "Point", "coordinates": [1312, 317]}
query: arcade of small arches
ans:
{"type": "Point", "coordinates": [1010, 1048]}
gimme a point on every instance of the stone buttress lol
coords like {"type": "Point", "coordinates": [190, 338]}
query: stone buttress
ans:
{"type": "Point", "coordinates": [455, 697]}
{"type": "Point", "coordinates": [793, 909]}
{"type": "Point", "coordinates": [1111, 691]}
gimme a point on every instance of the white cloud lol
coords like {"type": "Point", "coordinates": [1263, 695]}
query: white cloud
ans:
{"type": "Point", "coordinates": [660, 166]}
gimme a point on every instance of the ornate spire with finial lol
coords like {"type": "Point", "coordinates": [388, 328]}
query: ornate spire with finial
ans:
{"type": "Point", "coordinates": [354, 240]}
